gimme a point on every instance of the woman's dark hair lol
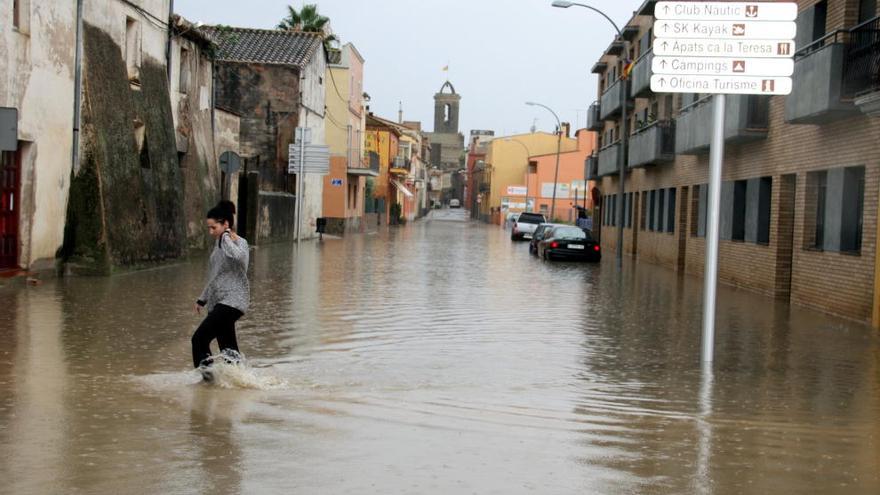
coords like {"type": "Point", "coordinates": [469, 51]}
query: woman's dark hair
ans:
{"type": "Point", "coordinates": [223, 212]}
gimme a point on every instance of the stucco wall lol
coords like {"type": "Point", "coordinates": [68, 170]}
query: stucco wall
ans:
{"type": "Point", "coordinates": [191, 109]}
{"type": "Point", "coordinates": [34, 64]}
{"type": "Point", "coordinates": [312, 116]}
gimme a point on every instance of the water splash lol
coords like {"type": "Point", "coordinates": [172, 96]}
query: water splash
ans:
{"type": "Point", "coordinates": [234, 372]}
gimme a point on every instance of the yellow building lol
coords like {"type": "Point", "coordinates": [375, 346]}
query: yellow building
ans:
{"type": "Point", "coordinates": [506, 168]}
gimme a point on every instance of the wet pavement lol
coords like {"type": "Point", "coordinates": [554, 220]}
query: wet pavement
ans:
{"type": "Point", "coordinates": [435, 358]}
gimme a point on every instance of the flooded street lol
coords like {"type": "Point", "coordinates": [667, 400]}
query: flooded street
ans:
{"type": "Point", "coordinates": [435, 358]}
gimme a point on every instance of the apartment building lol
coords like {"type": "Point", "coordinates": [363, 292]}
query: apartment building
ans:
{"type": "Point", "coordinates": [801, 172]}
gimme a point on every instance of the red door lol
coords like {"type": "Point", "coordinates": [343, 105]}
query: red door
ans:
{"type": "Point", "coordinates": [10, 184]}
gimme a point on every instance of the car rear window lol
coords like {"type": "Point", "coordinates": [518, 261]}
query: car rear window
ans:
{"type": "Point", "coordinates": [569, 233]}
{"type": "Point", "coordinates": [536, 218]}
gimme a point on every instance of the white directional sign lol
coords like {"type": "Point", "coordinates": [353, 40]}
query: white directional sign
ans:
{"type": "Point", "coordinates": [722, 66]}
{"type": "Point", "coordinates": [708, 11]}
{"type": "Point", "coordinates": [732, 85]}
{"type": "Point", "coordinates": [724, 48]}
{"type": "Point", "coordinates": [724, 29]}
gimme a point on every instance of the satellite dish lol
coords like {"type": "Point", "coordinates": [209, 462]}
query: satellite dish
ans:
{"type": "Point", "coordinates": [230, 162]}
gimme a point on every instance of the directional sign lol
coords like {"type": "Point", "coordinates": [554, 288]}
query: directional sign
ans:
{"type": "Point", "coordinates": [317, 159]}
{"type": "Point", "coordinates": [723, 66]}
{"type": "Point", "coordinates": [661, 83]}
{"type": "Point", "coordinates": [717, 11]}
{"type": "Point", "coordinates": [724, 29]}
{"type": "Point", "coordinates": [724, 48]}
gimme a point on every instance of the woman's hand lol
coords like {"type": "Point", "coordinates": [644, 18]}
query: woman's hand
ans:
{"type": "Point", "coordinates": [232, 235]}
{"type": "Point", "coordinates": [197, 308]}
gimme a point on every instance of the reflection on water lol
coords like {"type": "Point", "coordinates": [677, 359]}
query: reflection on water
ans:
{"type": "Point", "coordinates": [435, 358]}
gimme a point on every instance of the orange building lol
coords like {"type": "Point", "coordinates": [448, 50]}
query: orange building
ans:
{"type": "Point", "coordinates": [571, 186]}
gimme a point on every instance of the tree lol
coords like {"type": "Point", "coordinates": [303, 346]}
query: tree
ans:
{"type": "Point", "coordinates": [307, 20]}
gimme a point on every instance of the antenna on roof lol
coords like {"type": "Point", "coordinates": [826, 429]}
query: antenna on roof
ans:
{"type": "Point", "coordinates": [534, 125]}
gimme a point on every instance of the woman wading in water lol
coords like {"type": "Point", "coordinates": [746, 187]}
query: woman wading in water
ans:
{"type": "Point", "coordinates": [227, 293]}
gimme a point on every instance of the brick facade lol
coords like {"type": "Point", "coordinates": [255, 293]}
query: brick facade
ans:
{"type": "Point", "coordinates": [788, 266]}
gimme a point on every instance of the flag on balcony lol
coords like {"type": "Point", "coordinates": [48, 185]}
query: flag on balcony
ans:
{"type": "Point", "coordinates": [627, 68]}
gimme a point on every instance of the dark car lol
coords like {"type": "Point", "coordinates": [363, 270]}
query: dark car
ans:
{"type": "Point", "coordinates": [539, 235]}
{"type": "Point", "coordinates": [569, 242]}
{"type": "Point", "coordinates": [525, 225]}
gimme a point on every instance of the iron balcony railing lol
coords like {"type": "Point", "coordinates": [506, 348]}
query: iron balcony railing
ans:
{"type": "Point", "coordinates": [862, 63]}
{"type": "Point", "coordinates": [861, 66]}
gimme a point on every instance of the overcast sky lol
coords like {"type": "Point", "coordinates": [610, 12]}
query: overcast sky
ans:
{"type": "Point", "coordinates": [501, 53]}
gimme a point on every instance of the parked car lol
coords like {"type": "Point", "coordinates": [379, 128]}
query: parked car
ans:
{"type": "Point", "coordinates": [525, 225]}
{"type": "Point", "coordinates": [569, 242]}
{"type": "Point", "coordinates": [538, 236]}
{"type": "Point", "coordinates": [454, 203]}
{"type": "Point", "coordinates": [510, 219]}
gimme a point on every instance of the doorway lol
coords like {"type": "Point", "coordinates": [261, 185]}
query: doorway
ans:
{"type": "Point", "coordinates": [10, 201]}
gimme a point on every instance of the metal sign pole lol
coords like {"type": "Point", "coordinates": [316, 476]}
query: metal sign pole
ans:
{"type": "Point", "coordinates": [299, 182]}
{"type": "Point", "coordinates": [716, 158]}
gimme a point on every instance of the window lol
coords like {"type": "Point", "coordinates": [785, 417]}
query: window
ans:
{"type": "Point", "coordinates": [867, 10]}
{"type": "Point", "coordinates": [702, 213]}
{"type": "Point", "coordinates": [184, 70]}
{"type": "Point", "coordinates": [659, 223]}
{"type": "Point", "coordinates": [820, 15]}
{"type": "Point", "coordinates": [132, 49]}
{"type": "Point", "coordinates": [670, 209]}
{"type": "Point", "coordinates": [821, 189]}
{"type": "Point", "coordinates": [765, 188]}
{"type": "Point", "coordinates": [853, 199]}
{"type": "Point", "coordinates": [738, 225]}
{"type": "Point", "coordinates": [644, 210]}
{"type": "Point", "coordinates": [629, 211]}
{"type": "Point", "coordinates": [21, 15]}
{"type": "Point", "coordinates": [652, 208]}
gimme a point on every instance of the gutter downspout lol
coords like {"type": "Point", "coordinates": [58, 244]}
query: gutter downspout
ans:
{"type": "Point", "coordinates": [168, 44]}
{"type": "Point", "coordinates": [77, 87]}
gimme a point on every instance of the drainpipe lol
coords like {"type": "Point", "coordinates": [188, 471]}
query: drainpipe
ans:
{"type": "Point", "coordinates": [77, 87]}
{"type": "Point", "coordinates": [168, 44]}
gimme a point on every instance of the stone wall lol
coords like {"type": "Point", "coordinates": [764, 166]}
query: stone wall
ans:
{"type": "Point", "coordinates": [126, 199]}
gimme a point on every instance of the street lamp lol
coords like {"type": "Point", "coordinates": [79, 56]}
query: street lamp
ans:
{"type": "Point", "coordinates": [624, 135]}
{"type": "Point", "coordinates": [558, 145]}
{"type": "Point", "coordinates": [528, 154]}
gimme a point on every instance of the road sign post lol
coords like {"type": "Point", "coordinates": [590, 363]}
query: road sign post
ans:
{"type": "Point", "coordinates": [721, 48]}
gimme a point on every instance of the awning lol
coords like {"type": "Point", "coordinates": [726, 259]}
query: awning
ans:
{"type": "Point", "coordinates": [400, 187]}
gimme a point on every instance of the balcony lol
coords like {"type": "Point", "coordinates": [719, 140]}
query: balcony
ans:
{"type": "Point", "coordinates": [615, 48]}
{"type": "Point", "coordinates": [746, 119]}
{"type": "Point", "coordinates": [608, 160]}
{"type": "Point", "coordinates": [862, 66]}
{"type": "Point", "coordinates": [817, 94]}
{"type": "Point", "coordinates": [401, 166]}
{"type": "Point", "coordinates": [652, 145]}
{"type": "Point", "coordinates": [594, 122]}
{"type": "Point", "coordinates": [641, 75]}
{"type": "Point", "coordinates": [592, 166]}
{"type": "Point", "coordinates": [609, 104]}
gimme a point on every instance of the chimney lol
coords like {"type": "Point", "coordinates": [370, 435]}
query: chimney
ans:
{"type": "Point", "coordinates": [400, 112]}
{"type": "Point", "coordinates": [566, 129]}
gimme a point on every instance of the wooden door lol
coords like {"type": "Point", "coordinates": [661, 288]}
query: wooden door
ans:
{"type": "Point", "coordinates": [10, 186]}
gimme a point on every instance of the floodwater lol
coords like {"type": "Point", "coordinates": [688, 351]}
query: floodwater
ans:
{"type": "Point", "coordinates": [436, 358]}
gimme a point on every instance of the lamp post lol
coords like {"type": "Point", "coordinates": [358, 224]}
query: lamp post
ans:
{"type": "Point", "coordinates": [528, 154]}
{"type": "Point", "coordinates": [624, 134]}
{"type": "Point", "coordinates": [558, 146]}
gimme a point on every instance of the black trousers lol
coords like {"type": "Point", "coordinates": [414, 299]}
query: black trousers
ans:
{"type": "Point", "coordinates": [220, 325]}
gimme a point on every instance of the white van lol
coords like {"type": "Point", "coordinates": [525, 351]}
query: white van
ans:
{"type": "Point", "coordinates": [454, 203]}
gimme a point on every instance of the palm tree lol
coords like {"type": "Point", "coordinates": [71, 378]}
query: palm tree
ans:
{"type": "Point", "coordinates": [308, 20]}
